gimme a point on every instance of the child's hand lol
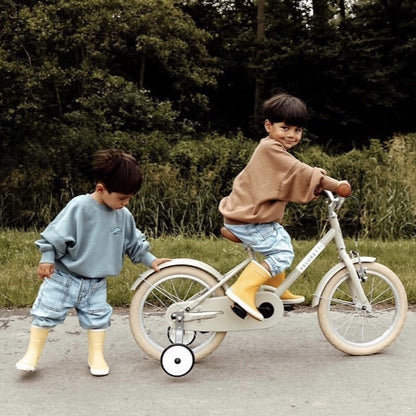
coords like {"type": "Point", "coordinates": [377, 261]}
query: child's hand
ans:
{"type": "Point", "coordinates": [45, 270]}
{"type": "Point", "coordinates": [157, 262]}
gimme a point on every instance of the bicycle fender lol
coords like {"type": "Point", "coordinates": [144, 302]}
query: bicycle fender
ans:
{"type": "Point", "coordinates": [331, 273]}
{"type": "Point", "coordinates": [178, 262]}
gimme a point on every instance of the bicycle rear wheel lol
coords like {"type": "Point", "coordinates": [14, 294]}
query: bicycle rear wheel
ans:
{"type": "Point", "coordinates": [152, 299]}
{"type": "Point", "coordinates": [352, 328]}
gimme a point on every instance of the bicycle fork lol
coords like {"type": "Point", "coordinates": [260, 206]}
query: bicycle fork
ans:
{"type": "Point", "coordinates": [356, 276]}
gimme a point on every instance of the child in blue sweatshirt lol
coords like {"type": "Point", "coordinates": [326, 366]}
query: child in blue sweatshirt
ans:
{"type": "Point", "coordinates": [83, 245]}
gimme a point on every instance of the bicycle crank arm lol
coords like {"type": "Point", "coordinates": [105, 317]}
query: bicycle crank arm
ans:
{"type": "Point", "coordinates": [215, 314]}
{"type": "Point", "coordinates": [193, 316]}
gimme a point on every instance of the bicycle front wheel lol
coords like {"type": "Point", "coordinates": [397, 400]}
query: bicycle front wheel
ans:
{"type": "Point", "coordinates": [354, 329]}
{"type": "Point", "coordinates": [153, 298]}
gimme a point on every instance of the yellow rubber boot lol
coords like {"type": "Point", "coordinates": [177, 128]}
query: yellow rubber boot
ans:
{"type": "Point", "coordinates": [243, 291]}
{"type": "Point", "coordinates": [37, 341]}
{"type": "Point", "coordinates": [287, 297]}
{"type": "Point", "coordinates": [96, 361]}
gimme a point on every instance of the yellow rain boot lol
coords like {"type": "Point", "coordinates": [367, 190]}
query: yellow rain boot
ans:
{"type": "Point", "coordinates": [96, 361]}
{"type": "Point", "coordinates": [287, 297]}
{"type": "Point", "coordinates": [243, 291]}
{"type": "Point", "coordinates": [37, 341]}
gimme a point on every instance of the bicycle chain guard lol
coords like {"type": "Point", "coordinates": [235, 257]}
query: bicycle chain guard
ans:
{"type": "Point", "coordinates": [215, 314]}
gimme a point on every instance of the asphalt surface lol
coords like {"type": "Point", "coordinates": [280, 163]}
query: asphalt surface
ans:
{"type": "Point", "coordinates": [287, 370]}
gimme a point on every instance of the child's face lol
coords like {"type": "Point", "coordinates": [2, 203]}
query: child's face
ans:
{"type": "Point", "coordinates": [113, 200]}
{"type": "Point", "coordinates": [288, 136]}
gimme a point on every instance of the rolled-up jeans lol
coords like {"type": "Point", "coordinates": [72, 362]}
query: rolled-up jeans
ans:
{"type": "Point", "coordinates": [270, 240]}
{"type": "Point", "coordinates": [62, 292]}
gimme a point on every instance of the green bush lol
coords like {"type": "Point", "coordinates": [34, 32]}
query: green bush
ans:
{"type": "Point", "coordinates": [185, 197]}
{"type": "Point", "coordinates": [184, 182]}
{"type": "Point", "coordinates": [384, 203]}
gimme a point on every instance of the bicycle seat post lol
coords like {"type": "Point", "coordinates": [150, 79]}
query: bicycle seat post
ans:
{"type": "Point", "coordinates": [250, 253]}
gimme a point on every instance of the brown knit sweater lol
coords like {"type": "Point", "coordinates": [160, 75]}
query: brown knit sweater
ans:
{"type": "Point", "coordinates": [272, 178]}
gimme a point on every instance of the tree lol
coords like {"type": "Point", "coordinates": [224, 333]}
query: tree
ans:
{"type": "Point", "coordinates": [72, 81]}
{"type": "Point", "coordinates": [233, 26]}
{"type": "Point", "coordinates": [65, 63]}
{"type": "Point", "coordinates": [352, 78]}
{"type": "Point", "coordinates": [261, 5]}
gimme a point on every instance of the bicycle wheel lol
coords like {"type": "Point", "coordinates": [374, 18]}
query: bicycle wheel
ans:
{"type": "Point", "coordinates": [353, 329]}
{"type": "Point", "coordinates": [151, 301]}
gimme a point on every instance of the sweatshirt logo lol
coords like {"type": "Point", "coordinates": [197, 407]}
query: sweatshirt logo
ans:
{"type": "Point", "coordinates": [116, 230]}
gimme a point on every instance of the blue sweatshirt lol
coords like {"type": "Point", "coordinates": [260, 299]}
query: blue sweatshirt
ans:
{"type": "Point", "coordinates": [89, 239]}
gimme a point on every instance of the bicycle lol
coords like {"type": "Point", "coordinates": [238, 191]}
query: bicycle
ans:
{"type": "Point", "coordinates": [180, 314]}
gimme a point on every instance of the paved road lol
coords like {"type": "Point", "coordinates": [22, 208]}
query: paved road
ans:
{"type": "Point", "coordinates": [288, 370]}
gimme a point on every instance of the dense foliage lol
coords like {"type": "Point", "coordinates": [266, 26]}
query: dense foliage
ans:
{"type": "Point", "coordinates": [179, 84]}
{"type": "Point", "coordinates": [352, 61]}
{"type": "Point", "coordinates": [181, 196]}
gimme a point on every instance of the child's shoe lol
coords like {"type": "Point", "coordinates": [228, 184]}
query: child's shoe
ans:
{"type": "Point", "coordinates": [96, 361]}
{"type": "Point", "coordinates": [243, 291]}
{"type": "Point", "coordinates": [37, 341]}
{"type": "Point", "coordinates": [287, 297]}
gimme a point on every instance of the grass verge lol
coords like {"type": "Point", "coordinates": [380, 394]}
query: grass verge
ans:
{"type": "Point", "coordinates": [19, 258]}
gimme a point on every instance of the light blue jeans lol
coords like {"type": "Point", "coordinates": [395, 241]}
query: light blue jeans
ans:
{"type": "Point", "coordinates": [62, 292]}
{"type": "Point", "coordinates": [270, 239]}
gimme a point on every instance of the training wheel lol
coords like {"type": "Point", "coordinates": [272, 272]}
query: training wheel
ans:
{"type": "Point", "coordinates": [177, 360]}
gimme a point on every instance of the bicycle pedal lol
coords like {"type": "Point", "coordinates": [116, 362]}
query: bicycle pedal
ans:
{"type": "Point", "coordinates": [239, 311]}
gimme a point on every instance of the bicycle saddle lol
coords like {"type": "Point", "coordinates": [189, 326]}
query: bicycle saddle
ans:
{"type": "Point", "coordinates": [226, 233]}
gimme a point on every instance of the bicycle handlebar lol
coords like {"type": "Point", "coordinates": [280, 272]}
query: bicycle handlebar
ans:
{"type": "Point", "coordinates": [343, 191]}
{"type": "Point", "coordinates": [335, 200]}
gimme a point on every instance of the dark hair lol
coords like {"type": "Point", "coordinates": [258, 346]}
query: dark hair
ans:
{"type": "Point", "coordinates": [117, 171]}
{"type": "Point", "coordinates": [285, 108]}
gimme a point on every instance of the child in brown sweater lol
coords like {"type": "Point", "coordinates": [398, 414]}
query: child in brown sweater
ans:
{"type": "Point", "coordinates": [254, 209]}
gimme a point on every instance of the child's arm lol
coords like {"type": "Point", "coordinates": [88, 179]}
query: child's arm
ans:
{"type": "Point", "coordinates": [342, 188]}
{"type": "Point", "coordinates": [138, 248]}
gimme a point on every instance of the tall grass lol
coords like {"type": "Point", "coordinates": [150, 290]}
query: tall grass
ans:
{"type": "Point", "coordinates": [19, 258]}
{"type": "Point", "coordinates": [181, 195]}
